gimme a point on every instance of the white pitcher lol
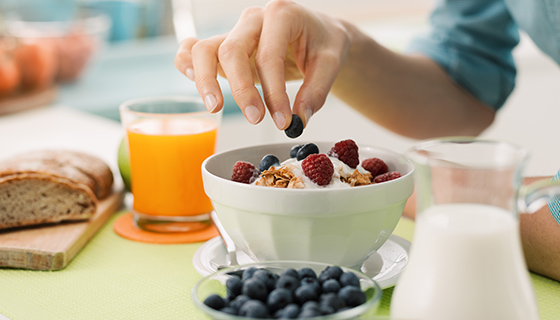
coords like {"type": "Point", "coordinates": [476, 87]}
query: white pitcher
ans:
{"type": "Point", "coordinates": [466, 260]}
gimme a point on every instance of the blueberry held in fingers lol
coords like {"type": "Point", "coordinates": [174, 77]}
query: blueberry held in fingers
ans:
{"type": "Point", "coordinates": [296, 127]}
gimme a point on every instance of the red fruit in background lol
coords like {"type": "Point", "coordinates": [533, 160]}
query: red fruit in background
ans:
{"type": "Point", "coordinates": [318, 168]}
{"type": "Point", "coordinates": [375, 166]}
{"type": "Point", "coordinates": [387, 176]}
{"type": "Point", "coordinates": [74, 52]}
{"type": "Point", "coordinates": [9, 74]}
{"type": "Point", "coordinates": [38, 63]}
{"type": "Point", "coordinates": [244, 172]}
{"type": "Point", "coordinates": [347, 152]}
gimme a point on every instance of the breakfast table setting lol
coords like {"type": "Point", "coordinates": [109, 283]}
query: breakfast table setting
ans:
{"type": "Point", "coordinates": [111, 276]}
{"type": "Point", "coordinates": [124, 262]}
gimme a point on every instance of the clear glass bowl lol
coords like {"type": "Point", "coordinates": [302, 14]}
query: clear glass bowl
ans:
{"type": "Point", "coordinates": [76, 42]}
{"type": "Point", "coordinates": [215, 284]}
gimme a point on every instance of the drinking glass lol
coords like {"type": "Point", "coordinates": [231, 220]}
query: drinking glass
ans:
{"type": "Point", "coordinates": [168, 139]}
{"type": "Point", "coordinates": [466, 260]}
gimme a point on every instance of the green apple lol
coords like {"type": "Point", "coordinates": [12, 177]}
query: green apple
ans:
{"type": "Point", "coordinates": [124, 163]}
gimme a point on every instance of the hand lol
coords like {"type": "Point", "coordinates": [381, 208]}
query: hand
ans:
{"type": "Point", "coordinates": [283, 41]}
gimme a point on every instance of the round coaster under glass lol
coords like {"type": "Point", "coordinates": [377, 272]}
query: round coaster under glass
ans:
{"type": "Point", "coordinates": [126, 228]}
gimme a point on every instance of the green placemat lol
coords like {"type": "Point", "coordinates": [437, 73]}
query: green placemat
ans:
{"type": "Point", "coordinates": [114, 278]}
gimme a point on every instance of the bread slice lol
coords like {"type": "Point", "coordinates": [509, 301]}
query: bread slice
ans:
{"type": "Point", "coordinates": [29, 199]}
{"type": "Point", "coordinates": [50, 186]}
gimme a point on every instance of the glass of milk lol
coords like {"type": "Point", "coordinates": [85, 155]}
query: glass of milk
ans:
{"type": "Point", "coordinates": [466, 260]}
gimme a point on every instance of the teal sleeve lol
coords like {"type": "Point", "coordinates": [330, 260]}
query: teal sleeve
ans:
{"type": "Point", "coordinates": [554, 204]}
{"type": "Point", "coordinates": [473, 41]}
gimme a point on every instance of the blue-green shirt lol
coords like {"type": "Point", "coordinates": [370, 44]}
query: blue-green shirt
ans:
{"type": "Point", "coordinates": [473, 41]}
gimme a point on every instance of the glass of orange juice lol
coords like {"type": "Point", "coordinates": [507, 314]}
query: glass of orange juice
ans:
{"type": "Point", "coordinates": [168, 139]}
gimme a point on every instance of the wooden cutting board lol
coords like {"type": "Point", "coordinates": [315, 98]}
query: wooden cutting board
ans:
{"type": "Point", "coordinates": [52, 247]}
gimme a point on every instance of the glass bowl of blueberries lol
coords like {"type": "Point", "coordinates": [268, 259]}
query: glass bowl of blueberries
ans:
{"type": "Point", "coordinates": [287, 290]}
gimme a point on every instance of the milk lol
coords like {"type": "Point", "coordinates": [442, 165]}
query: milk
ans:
{"type": "Point", "coordinates": [465, 263]}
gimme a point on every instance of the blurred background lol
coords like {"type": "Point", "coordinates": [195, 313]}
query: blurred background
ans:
{"type": "Point", "coordinates": [92, 55]}
{"type": "Point", "coordinates": [110, 50]}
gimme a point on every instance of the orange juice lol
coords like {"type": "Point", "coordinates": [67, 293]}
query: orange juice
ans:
{"type": "Point", "coordinates": [165, 162]}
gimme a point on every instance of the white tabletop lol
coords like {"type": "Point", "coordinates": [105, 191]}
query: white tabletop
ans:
{"type": "Point", "coordinates": [59, 127]}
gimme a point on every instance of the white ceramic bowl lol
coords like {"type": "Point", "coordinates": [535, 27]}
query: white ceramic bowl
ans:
{"type": "Point", "coordinates": [335, 226]}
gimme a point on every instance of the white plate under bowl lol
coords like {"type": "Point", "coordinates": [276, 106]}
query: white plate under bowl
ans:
{"type": "Point", "coordinates": [384, 266]}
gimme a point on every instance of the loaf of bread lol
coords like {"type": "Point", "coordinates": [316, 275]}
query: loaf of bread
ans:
{"type": "Point", "coordinates": [49, 186]}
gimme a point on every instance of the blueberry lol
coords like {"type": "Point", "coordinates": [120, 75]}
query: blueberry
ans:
{"type": "Point", "coordinates": [352, 296]}
{"type": "Point", "coordinates": [294, 150]}
{"type": "Point", "coordinates": [291, 311]}
{"type": "Point", "coordinates": [248, 273]}
{"type": "Point", "coordinates": [331, 272]}
{"type": "Point", "coordinates": [306, 150]}
{"type": "Point", "coordinates": [255, 289]}
{"type": "Point", "coordinates": [236, 273]}
{"type": "Point", "coordinates": [290, 272]}
{"type": "Point", "coordinates": [254, 309]}
{"type": "Point", "coordinates": [309, 313]}
{"type": "Point", "coordinates": [307, 273]}
{"type": "Point", "coordinates": [349, 279]}
{"type": "Point", "coordinates": [215, 302]}
{"type": "Point", "coordinates": [268, 161]}
{"type": "Point", "coordinates": [331, 300]}
{"type": "Point", "coordinates": [287, 282]}
{"type": "Point", "coordinates": [330, 285]}
{"type": "Point", "coordinates": [312, 283]}
{"type": "Point", "coordinates": [239, 301]}
{"type": "Point", "coordinates": [278, 299]}
{"type": "Point", "coordinates": [296, 127]}
{"type": "Point", "coordinates": [325, 309]}
{"type": "Point", "coordinates": [234, 286]}
{"type": "Point", "coordinates": [310, 305]}
{"type": "Point", "coordinates": [304, 294]}
{"type": "Point", "coordinates": [229, 310]}
{"type": "Point", "coordinates": [229, 298]}
{"type": "Point", "coordinates": [267, 277]}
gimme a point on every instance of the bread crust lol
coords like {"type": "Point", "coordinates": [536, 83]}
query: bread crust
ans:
{"type": "Point", "coordinates": [49, 186]}
{"type": "Point", "coordinates": [75, 166]}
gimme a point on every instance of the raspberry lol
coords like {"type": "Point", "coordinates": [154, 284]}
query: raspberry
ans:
{"type": "Point", "coordinates": [375, 166]}
{"type": "Point", "coordinates": [347, 152]}
{"type": "Point", "coordinates": [318, 168]}
{"type": "Point", "coordinates": [387, 176]}
{"type": "Point", "coordinates": [244, 172]}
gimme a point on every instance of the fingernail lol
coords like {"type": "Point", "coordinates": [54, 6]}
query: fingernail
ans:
{"type": "Point", "coordinates": [211, 102]}
{"type": "Point", "coordinates": [280, 120]}
{"type": "Point", "coordinates": [252, 114]}
{"type": "Point", "coordinates": [307, 114]}
{"type": "Point", "coordinates": [190, 73]}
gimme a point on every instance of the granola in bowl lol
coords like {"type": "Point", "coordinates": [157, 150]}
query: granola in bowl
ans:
{"type": "Point", "coordinates": [308, 168]}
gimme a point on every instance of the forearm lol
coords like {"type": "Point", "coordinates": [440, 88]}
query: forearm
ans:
{"type": "Point", "coordinates": [540, 237]}
{"type": "Point", "coordinates": [410, 95]}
